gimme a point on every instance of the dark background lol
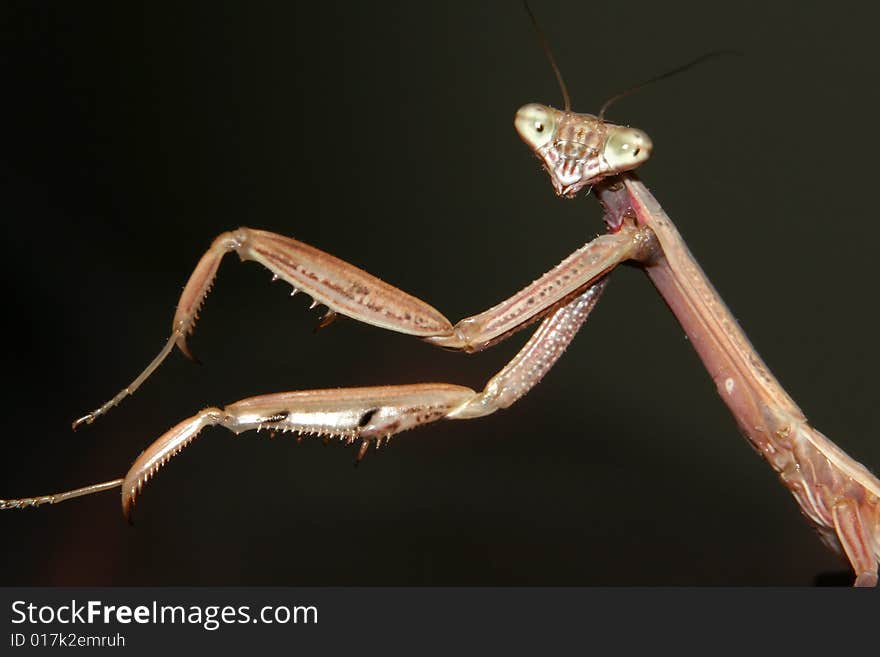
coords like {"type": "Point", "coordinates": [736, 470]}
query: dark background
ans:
{"type": "Point", "coordinates": [382, 132]}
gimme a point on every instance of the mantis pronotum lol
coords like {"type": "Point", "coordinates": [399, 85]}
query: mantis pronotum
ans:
{"type": "Point", "coordinates": [703, 251]}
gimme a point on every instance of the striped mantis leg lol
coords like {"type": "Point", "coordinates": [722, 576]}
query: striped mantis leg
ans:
{"type": "Point", "coordinates": [347, 290]}
{"type": "Point", "coordinates": [564, 297]}
{"type": "Point", "coordinates": [371, 415]}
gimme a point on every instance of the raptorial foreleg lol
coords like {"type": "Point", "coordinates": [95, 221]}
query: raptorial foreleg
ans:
{"type": "Point", "coordinates": [347, 290]}
{"type": "Point", "coordinates": [371, 415]}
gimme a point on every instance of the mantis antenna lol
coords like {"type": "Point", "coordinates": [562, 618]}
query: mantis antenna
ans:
{"type": "Point", "coordinates": [623, 94]}
{"type": "Point", "coordinates": [681, 69]}
{"type": "Point", "coordinates": [549, 53]}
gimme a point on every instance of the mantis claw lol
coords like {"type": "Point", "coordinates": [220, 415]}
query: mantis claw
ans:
{"type": "Point", "coordinates": [88, 418]}
{"type": "Point", "coordinates": [186, 351]}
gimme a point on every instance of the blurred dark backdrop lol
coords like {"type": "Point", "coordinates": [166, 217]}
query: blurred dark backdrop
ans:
{"type": "Point", "coordinates": [382, 132]}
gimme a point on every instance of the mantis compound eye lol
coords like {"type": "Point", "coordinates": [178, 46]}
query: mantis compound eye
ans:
{"type": "Point", "coordinates": [627, 148]}
{"type": "Point", "coordinates": [535, 124]}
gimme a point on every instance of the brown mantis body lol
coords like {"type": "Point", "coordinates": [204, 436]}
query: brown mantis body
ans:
{"type": "Point", "coordinates": [839, 494]}
{"type": "Point", "coordinates": [835, 492]}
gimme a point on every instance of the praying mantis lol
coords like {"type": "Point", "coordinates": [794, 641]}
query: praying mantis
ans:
{"type": "Point", "coordinates": [487, 420]}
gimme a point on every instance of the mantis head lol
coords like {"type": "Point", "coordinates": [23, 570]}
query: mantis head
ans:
{"type": "Point", "coordinates": [579, 149]}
